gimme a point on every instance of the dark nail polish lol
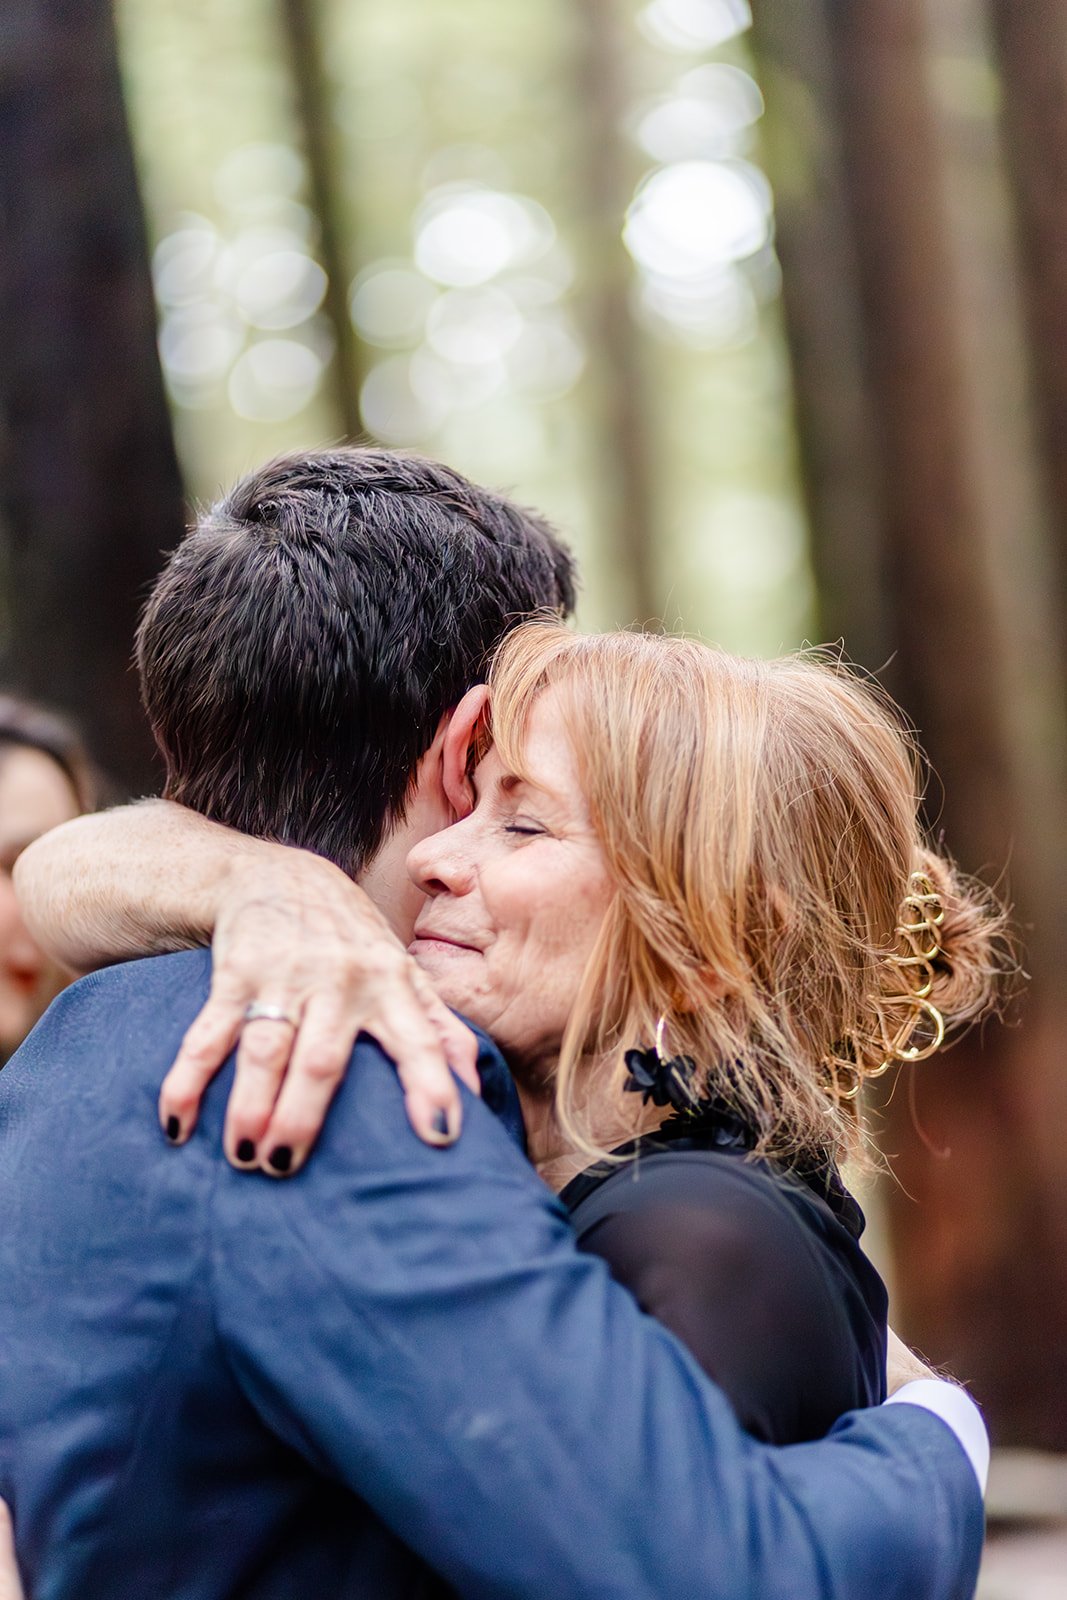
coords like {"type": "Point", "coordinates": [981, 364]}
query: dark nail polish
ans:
{"type": "Point", "coordinates": [246, 1150]}
{"type": "Point", "coordinates": [174, 1129]}
{"type": "Point", "coordinates": [280, 1159]}
{"type": "Point", "coordinates": [440, 1124]}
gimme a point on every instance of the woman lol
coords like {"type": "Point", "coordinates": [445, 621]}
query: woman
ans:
{"type": "Point", "coordinates": [693, 906]}
{"type": "Point", "coordinates": [45, 780]}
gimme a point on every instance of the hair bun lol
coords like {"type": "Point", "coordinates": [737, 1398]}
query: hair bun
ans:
{"type": "Point", "coordinates": [973, 947]}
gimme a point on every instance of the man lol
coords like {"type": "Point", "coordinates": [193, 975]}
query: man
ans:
{"type": "Point", "coordinates": [219, 1385]}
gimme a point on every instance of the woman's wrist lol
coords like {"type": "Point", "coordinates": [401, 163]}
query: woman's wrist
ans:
{"type": "Point", "coordinates": [202, 874]}
{"type": "Point", "coordinates": [270, 890]}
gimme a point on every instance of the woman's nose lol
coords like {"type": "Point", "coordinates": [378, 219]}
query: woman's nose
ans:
{"type": "Point", "coordinates": [440, 865]}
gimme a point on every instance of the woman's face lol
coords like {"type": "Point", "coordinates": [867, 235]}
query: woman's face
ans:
{"type": "Point", "coordinates": [517, 893]}
{"type": "Point", "coordinates": [35, 795]}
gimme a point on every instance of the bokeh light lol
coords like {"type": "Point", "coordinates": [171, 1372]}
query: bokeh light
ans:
{"type": "Point", "coordinates": [184, 262]}
{"type": "Point", "coordinates": [199, 344]}
{"type": "Point", "coordinates": [714, 312]}
{"type": "Point", "coordinates": [280, 289]}
{"type": "Point", "coordinates": [547, 359]}
{"type": "Point", "coordinates": [392, 409]}
{"type": "Point", "coordinates": [389, 303]}
{"type": "Point", "coordinates": [691, 25]}
{"type": "Point", "coordinates": [473, 326]}
{"type": "Point", "coordinates": [274, 379]}
{"type": "Point", "coordinates": [477, 308]}
{"type": "Point", "coordinates": [700, 227]}
{"type": "Point", "coordinates": [466, 235]}
{"type": "Point", "coordinates": [219, 284]}
{"type": "Point", "coordinates": [709, 114]}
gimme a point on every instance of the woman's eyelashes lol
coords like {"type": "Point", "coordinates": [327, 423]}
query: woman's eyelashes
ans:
{"type": "Point", "coordinates": [525, 828]}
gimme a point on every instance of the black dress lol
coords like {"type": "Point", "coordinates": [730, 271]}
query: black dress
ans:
{"type": "Point", "coordinates": [757, 1269]}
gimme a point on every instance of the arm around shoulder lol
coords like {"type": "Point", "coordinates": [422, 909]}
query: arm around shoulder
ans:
{"type": "Point", "coordinates": [143, 879]}
{"type": "Point", "coordinates": [420, 1324]}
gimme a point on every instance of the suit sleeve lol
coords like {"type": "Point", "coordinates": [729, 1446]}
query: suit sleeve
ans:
{"type": "Point", "coordinates": [421, 1326]}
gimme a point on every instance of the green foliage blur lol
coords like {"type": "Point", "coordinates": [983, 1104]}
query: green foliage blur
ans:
{"type": "Point", "coordinates": [459, 136]}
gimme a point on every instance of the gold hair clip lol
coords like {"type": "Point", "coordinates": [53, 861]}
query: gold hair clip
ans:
{"type": "Point", "coordinates": [837, 1071]}
{"type": "Point", "coordinates": [919, 933]}
{"type": "Point", "coordinates": [920, 946]}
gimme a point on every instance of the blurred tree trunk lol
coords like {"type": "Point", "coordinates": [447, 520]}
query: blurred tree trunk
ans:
{"type": "Point", "coordinates": [620, 397]}
{"type": "Point", "coordinates": [314, 104]}
{"type": "Point", "coordinates": [960, 528]}
{"type": "Point", "coordinates": [820, 290]}
{"type": "Point", "coordinates": [1031, 38]}
{"type": "Point", "coordinates": [90, 492]}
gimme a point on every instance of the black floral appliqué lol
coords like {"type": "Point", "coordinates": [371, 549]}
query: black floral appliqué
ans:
{"type": "Point", "coordinates": [665, 1082]}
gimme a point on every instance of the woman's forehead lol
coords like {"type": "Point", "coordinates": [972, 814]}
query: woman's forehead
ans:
{"type": "Point", "coordinates": [539, 754]}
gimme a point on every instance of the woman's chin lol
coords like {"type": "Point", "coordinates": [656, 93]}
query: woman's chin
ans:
{"type": "Point", "coordinates": [449, 967]}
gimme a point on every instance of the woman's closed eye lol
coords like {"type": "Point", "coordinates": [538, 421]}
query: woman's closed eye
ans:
{"type": "Point", "coordinates": [524, 827]}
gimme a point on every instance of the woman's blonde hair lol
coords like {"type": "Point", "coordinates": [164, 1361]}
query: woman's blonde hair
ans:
{"type": "Point", "coordinates": [760, 823]}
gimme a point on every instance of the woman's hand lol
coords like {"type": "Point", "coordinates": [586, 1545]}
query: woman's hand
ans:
{"type": "Point", "coordinates": [294, 934]}
{"type": "Point", "coordinates": [10, 1585]}
{"type": "Point", "coordinates": [290, 931]}
{"type": "Point", "coordinates": [903, 1366]}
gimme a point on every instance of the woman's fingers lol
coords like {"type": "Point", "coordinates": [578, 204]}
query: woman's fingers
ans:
{"type": "Point", "coordinates": [412, 1026]}
{"type": "Point", "coordinates": [317, 1066]}
{"type": "Point", "coordinates": [264, 1052]}
{"type": "Point", "coordinates": [10, 1586]}
{"type": "Point", "coordinates": [288, 1071]}
{"type": "Point", "coordinates": [427, 1054]}
{"type": "Point", "coordinates": [204, 1048]}
{"type": "Point", "coordinates": [458, 1042]}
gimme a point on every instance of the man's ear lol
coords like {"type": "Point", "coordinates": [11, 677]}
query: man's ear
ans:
{"type": "Point", "coordinates": [459, 736]}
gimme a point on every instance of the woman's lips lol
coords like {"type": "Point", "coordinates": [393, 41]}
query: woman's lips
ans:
{"type": "Point", "coordinates": [442, 940]}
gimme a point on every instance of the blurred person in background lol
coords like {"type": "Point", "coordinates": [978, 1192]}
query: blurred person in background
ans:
{"type": "Point", "coordinates": [46, 778]}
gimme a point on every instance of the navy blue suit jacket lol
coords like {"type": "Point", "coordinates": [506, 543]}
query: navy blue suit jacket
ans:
{"type": "Point", "coordinates": [218, 1385]}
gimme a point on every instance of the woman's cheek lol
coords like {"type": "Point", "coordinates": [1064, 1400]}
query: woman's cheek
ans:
{"type": "Point", "coordinates": [10, 916]}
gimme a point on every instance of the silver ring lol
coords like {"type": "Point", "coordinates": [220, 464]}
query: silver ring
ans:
{"type": "Point", "coordinates": [258, 1012]}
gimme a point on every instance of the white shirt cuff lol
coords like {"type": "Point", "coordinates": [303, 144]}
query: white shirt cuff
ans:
{"type": "Point", "coordinates": [958, 1411]}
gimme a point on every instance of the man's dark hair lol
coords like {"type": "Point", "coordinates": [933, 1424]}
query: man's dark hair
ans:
{"type": "Point", "coordinates": [303, 642]}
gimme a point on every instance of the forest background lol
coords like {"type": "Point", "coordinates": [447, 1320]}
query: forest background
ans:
{"type": "Point", "coordinates": [766, 307]}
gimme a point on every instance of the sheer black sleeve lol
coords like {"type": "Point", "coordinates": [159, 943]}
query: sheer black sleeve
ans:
{"type": "Point", "coordinates": [766, 1288]}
